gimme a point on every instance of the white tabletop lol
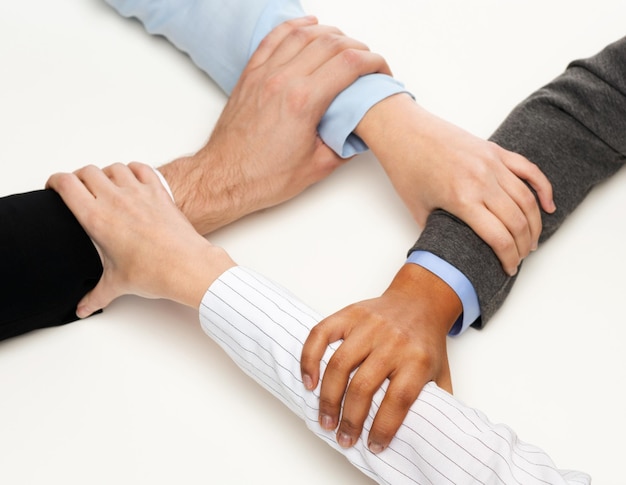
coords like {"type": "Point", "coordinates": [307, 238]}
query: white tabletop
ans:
{"type": "Point", "coordinates": [140, 395]}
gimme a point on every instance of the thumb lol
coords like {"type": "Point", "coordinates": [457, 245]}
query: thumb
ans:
{"type": "Point", "coordinates": [97, 299]}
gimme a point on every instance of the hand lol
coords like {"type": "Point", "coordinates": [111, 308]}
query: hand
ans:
{"type": "Point", "coordinates": [265, 148]}
{"type": "Point", "coordinates": [400, 336]}
{"type": "Point", "coordinates": [434, 164]}
{"type": "Point", "coordinates": [147, 246]}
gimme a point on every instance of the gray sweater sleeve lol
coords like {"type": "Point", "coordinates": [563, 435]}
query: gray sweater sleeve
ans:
{"type": "Point", "coordinates": [574, 129]}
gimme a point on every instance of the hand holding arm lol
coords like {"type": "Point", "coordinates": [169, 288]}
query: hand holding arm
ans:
{"type": "Point", "coordinates": [150, 249]}
{"type": "Point", "coordinates": [247, 165]}
{"type": "Point", "coordinates": [436, 165]}
{"type": "Point", "coordinates": [574, 129]}
{"type": "Point", "coordinates": [122, 207]}
{"type": "Point", "coordinates": [399, 336]}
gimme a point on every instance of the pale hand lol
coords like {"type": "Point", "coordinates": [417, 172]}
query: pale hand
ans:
{"type": "Point", "coordinates": [265, 148]}
{"type": "Point", "coordinates": [436, 165]}
{"type": "Point", "coordinates": [147, 246]}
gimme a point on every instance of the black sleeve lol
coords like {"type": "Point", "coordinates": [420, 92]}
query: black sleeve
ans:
{"type": "Point", "coordinates": [47, 263]}
{"type": "Point", "coordinates": [574, 129]}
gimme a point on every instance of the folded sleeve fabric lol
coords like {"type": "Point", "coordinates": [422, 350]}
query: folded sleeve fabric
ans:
{"type": "Point", "coordinates": [574, 129]}
{"type": "Point", "coordinates": [47, 263]}
{"type": "Point", "coordinates": [455, 280]}
{"type": "Point", "coordinates": [221, 36]}
{"type": "Point", "coordinates": [262, 327]}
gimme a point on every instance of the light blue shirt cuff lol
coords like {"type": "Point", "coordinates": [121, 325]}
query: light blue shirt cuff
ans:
{"type": "Point", "coordinates": [220, 37]}
{"type": "Point", "coordinates": [348, 109]}
{"type": "Point", "coordinates": [350, 106]}
{"type": "Point", "coordinates": [455, 280]}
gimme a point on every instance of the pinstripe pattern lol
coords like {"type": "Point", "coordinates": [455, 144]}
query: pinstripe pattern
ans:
{"type": "Point", "coordinates": [262, 327]}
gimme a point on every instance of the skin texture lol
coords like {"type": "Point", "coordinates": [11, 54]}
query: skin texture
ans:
{"type": "Point", "coordinates": [122, 207]}
{"type": "Point", "coordinates": [282, 94]}
{"type": "Point", "coordinates": [400, 335]}
{"type": "Point", "coordinates": [436, 165]}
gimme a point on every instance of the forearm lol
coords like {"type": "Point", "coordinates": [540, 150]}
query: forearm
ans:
{"type": "Point", "coordinates": [574, 129]}
{"type": "Point", "coordinates": [48, 263]}
{"type": "Point", "coordinates": [208, 197]}
{"type": "Point", "coordinates": [263, 327]}
{"type": "Point", "coordinates": [220, 37]}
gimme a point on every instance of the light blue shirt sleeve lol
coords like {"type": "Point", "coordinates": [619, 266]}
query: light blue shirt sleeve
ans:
{"type": "Point", "coordinates": [220, 37]}
{"type": "Point", "coordinates": [455, 280]}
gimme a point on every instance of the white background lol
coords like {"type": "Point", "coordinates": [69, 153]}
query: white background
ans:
{"type": "Point", "coordinates": [140, 395]}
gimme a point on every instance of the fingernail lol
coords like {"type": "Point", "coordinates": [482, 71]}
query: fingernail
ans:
{"type": "Point", "coordinates": [308, 382]}
{"type": "Point", "coordinates": [375, 447]}
{"type": "Point", "coordinates": [327, 422]}
{"type": "Point", "coordinates": [344, 440]}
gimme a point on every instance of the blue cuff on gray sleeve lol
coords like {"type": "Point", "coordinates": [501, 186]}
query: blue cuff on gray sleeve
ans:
{"type": "Point", "coordinates": [457, 281]}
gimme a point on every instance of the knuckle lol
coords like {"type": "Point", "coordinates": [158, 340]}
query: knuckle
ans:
{"type": "Point", "coordinates": [334, 42]}
{"type": "Point", "coordinates": [518, 224]}
{"type": "Point", "coordinates": [318, 332]}
{"type": "Point", "coordinates": [422, 360]}
{"type": "Point", "coordinates": [339, 364]}
{"type": "Point", "coordinates": [301, 34]}
{"type": "Point", "coordinates": [349, 426]}
{"type": "Point", "coordinates": [360, 389]}
{"type": "Point", "coordinates": [274, 83]}
{"type": "Point", "coordinates": [528, 199]}
{"type": "Point", "coordinates": [352, 58]}
{"type": "Point", "coordinates": [63, 181]}
{"type": "Point", "coordinates": [403, 398]}
{"type": "Point", "coordinates": [502, 243]}
{"type": "Point", "coordinates": [328, 405]}
{"type": "Point", "coordinates": [297, 98]}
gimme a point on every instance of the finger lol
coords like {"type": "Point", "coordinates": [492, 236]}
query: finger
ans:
{"type": "Point", "coordinates": [346, 358]}
{"type": "Point", "coordinates": [526, 171]}
{"type": "Point", "coordinates": [73, 192]}
{"type": "Point", "coordinates": [98, 298]}
{"type": "Point", "coordinates": [325, 43]}
{"type": "Point", "coordinates": [323, 334]}
{"type": "Point", "coordinates": [94, 179]}
{"type": "Point", "coordinates": [269, 44]}
{"type": "Point", "coordinates": [358, 400]}
{"type": "Point", "coordinates": [144, 173]}
{"type": "Point", "coordinates": [309, 41]}
{"type": "Point", "coordinates": [120, 175]}
{"type": "Point", "coordinates": [491, 230]}
{"type": "Point", "coordinates": [402, 392]}
{"type": "Point", "coordinates": [342, 70]}
{"type": "Point", "coordinates": [530, 222]}
{"type": "Point", "coordinates": [518, 223]}
{"type": "Point", "coordinates": [531, 173]}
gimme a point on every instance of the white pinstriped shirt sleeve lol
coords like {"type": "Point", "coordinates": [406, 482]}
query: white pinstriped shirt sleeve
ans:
{"type": "Point", "coordinates": [262, 327]}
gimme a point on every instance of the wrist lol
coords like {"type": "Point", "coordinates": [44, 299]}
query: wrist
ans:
{"type": "Point", "coordinates": [196, 272]}
{"type": "Point", "coordinates": [418, 286]}
{"type": "Point", "coordinates": [202, 192]}
{"type": "Point", "coordinates": [388, 118]}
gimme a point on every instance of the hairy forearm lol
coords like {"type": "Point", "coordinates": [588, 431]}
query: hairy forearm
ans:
{"type": "Point", "coordinates": [208, 194]}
